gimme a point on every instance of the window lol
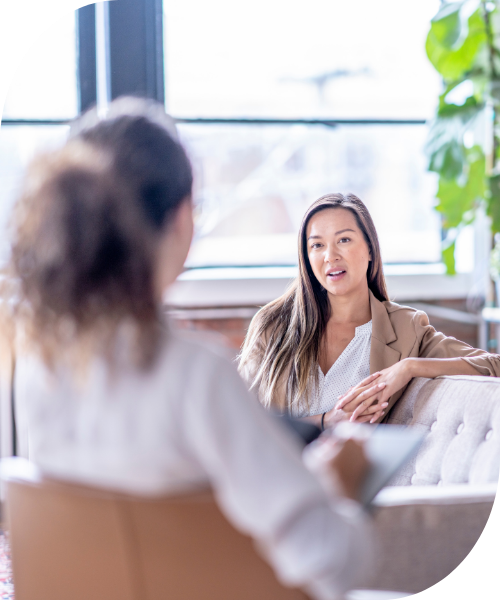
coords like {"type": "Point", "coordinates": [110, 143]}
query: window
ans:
{"type": "Point", "coordinates": [18, 144]}
{"type": "Point", "coordinates": [277, 105]}
{"type": "Point", "coordinates": [253, 89]}
{"type": "Point", "coordinates": [297, 60]}
{"type": "Point", "coordinates": [255, 184]}
{"type": "Point", "coordinates": [44, 85]}
{"type": "Point", "coordinates": [41, 97]}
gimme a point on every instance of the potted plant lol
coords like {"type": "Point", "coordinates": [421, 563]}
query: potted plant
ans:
{"type": "Point", "coordinates": [463, 146]}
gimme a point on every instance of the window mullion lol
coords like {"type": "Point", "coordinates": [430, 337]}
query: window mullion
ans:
{"type": "Point", "coordinates": [86, 57]}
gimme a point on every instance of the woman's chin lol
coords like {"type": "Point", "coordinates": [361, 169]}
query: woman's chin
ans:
{"type": "Point", "coordinates": [338, 290]}
{"type": "Point", "coordinates": [342, 288]}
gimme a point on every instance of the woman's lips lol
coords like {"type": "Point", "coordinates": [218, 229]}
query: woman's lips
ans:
{"type": "Point", "coordinates": [336, 275]}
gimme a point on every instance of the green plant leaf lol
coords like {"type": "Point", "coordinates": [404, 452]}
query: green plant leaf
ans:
{"type": "Point", "coordinates": [448, 257]}
{"type": "Point", "coordinates": [450, 61]}
{"type": "Point", "coordinates": [446, 24]}
{"type": "Point", "coordinates": [444, 145]}
{"type": "Point", "coordinates": [494, 91]}
{"type": "Point", "coordinates": [455, 199]}
{"type": "Point", "coordinates": [493, 205]}
{"type": "Point", "coordinates": [497, 135]}
{"type": "Point", "coordinates": [457, 45]}
{"type": "Point", "coordinates": [480, 81]}
{"type": "Point", "coordinates": [448, 160]}
{"type": "Point", "coordinates": [465, 111]}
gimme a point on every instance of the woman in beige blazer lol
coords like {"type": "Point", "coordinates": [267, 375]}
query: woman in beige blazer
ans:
{"type": "Point", "coordinates": [334, 347]}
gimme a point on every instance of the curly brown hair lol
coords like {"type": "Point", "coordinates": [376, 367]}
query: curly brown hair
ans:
{"type": "Point", "coordinates": [80, 279]}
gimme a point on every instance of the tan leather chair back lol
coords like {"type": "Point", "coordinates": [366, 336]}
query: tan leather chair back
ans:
{"type": "Point", "coordinates": [75, 543]}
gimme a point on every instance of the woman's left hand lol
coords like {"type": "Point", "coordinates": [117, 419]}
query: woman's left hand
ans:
{"type": "Point", "coordinates": [358, 401]}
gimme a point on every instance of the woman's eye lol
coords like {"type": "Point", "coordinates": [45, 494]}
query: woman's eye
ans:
{"type": "Point", "coordinates": [314, 246]}
{"type": "Point", "coordinates": [344, 240]}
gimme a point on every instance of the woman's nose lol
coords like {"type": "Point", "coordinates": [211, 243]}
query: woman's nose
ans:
{"type": "Point", "coordinates": [331, 254]}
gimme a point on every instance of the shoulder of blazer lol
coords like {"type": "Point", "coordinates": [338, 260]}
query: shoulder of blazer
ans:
{"type": "Point", "coordinates": [393, 307]}
{"type": "Point", "coordinates": [394, 323]}
{"type": "Point", "coordinates": [405, 321]}
{"type": "Point", "coordinates": [402, 316]}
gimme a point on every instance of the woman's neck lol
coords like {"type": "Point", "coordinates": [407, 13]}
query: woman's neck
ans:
{"type": "Point", "coordinates": [352, 308]}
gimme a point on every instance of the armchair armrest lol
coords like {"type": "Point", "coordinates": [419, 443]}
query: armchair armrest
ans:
{"type": "Point", "coordinates": [425, 532]}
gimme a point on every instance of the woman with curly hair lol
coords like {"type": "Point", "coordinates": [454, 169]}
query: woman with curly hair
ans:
{"type": "Point", "coordinates": [114, 396]}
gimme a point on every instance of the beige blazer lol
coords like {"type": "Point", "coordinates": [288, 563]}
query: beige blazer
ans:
{"type": "Point", "coordinates": [400, 332]}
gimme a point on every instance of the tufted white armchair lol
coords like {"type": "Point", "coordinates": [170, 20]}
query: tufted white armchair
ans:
{"type": "Point", "coordinates": [435, 509]}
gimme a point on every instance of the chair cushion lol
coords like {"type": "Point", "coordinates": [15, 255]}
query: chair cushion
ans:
{"type": "Point", "coordinates": [461, 416]}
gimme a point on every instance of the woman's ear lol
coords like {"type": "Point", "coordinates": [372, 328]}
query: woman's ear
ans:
{"type": "Point", "coordinates": [174, 245]}
{"type": "Point", "coordinates": [183, 219]}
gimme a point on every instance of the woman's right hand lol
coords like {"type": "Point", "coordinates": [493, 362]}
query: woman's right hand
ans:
{"type": "Point", "coordinates": [343, 411]}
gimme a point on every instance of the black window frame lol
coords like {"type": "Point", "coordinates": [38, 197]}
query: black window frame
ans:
{"type": "Point", "coordinates": [136, 64]}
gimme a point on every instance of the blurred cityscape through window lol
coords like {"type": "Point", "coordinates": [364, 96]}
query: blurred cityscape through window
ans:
{"type": "Point", "coordinates": [254, 183]}
{"type": "Point", "coordinates": [289, 59]}
{"type": "Point", "coordinates": [18, 145]}
{"type": "Point", "coordinates": [359, 61]}
{"type": "Point", "coordinates": [44, 89]}
{"type": "Point", "coordinates": [44, 85]}
{"type": "Point", "coordinates": [275, 60]}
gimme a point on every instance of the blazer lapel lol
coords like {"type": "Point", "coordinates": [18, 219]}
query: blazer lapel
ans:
{"type": "Point", "coordinates": [383, 334]}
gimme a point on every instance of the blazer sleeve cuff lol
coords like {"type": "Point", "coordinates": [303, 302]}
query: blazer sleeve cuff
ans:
{"type": "Point", "coordinates": [484, 365]}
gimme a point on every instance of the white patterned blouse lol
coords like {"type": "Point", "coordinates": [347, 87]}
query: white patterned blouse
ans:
{"type": "Point", "coordinates": [350, 368]}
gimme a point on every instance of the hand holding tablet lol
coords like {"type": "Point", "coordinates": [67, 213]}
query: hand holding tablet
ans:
{"type": "Point", "coordinates": [362, 459]}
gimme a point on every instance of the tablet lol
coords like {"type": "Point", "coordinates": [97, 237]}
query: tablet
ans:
{"type": "Point", "coordinates": [387, 447]}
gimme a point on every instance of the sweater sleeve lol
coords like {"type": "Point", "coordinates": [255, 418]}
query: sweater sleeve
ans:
{"type": "Point", "coordinates": [434, 344]}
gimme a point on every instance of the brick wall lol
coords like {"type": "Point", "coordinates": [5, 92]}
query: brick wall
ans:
{"type": "Point", "coordinates": [230, 325]}
{"type": "Point", "coordinates": [462, 331]}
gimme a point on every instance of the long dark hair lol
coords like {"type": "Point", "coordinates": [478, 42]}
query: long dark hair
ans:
{"type": "Point", "coordinates": [285, 336]}
{"type": "Point", "coordinates": [85, 232]}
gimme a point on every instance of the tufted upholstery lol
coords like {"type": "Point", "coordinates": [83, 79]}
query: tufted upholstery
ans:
{"type": "Point", "coordinates": [462, 417]}
{"type": "Point", "coordinates": [429, 519]}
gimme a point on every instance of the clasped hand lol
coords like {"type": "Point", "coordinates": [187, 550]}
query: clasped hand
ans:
{"type": "Point", "coordinates": [366, 401]}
